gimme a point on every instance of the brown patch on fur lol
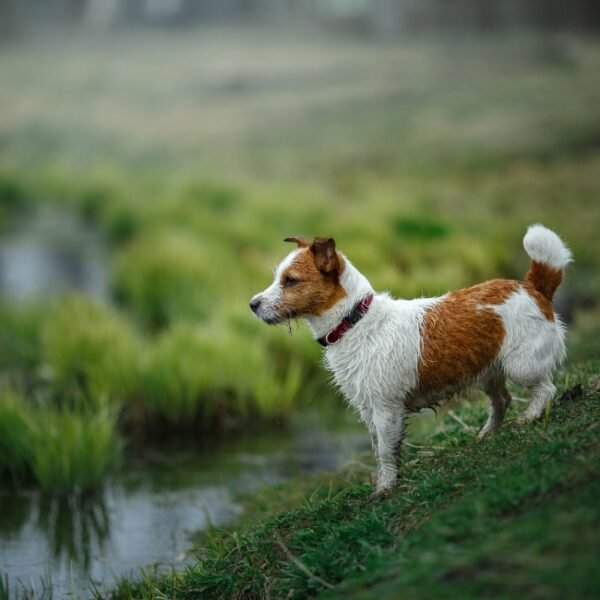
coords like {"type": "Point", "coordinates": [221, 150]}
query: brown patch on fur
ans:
{"type": "Point", "coordinates": [544, 278]}
{"type": "Point", "coordinates": [543, 303]}
{"type": "Point", "coordinates": [314, 291]}
{"type": "Point", "coordinates": [460, 339]}
{"type": "Point", "coordinates": [326, 257]}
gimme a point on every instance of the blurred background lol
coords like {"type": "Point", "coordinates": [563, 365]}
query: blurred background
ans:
{"type": "Point", "coordinates": [153, 155]}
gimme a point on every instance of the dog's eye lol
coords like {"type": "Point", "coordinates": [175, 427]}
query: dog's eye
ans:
{"type": "Point", "coordinates": [290, 281]}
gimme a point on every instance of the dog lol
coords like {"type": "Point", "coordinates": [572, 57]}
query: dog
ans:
{"type": "Point", "coordinates": [392, 357]}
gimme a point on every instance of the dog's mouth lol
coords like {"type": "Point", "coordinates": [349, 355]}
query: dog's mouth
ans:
{"type": "Point", "coordinates": [272, 313]}
{"type": "Point", "coordinates": [280, 319]}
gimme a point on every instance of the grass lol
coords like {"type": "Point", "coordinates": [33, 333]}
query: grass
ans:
{"type": "Point", "coordinates": [425, 159]}
{"type": "Point", "coordinates": [69, 448]}
{"type": "Point", "coordinates": [74, 450]}
{"type": "Point", "coordinates": [180, 383]}
{"type": "Point", "coordinates": [44, 589]}
{"type": "Point", "coordinates": [15, 436]}
{"type": "Point", "coordinates": [513, 515]}
{"type": "Point", "coordinates": [87, 349]}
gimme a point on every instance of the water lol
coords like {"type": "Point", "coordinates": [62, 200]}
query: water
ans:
{"type": "Point", "coordinates": [146, 514]}
{"type": "Point", "coordinates": [49, 251]}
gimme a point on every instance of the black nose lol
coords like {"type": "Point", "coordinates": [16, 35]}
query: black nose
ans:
{"type": "Point", "coordinates": [254, 304]}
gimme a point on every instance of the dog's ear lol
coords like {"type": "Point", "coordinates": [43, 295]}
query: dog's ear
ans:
{"type": "Point", "coordinates": [302, 242]}
{"type": "Point", "coordinates": [326, 258]}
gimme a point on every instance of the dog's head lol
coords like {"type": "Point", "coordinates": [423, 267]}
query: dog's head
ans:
{"type": "Point", "coordinates": [307, 282]}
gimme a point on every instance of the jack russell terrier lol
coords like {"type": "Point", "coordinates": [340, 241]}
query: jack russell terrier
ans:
{"type": "Point", "coordinates": [393, 357]}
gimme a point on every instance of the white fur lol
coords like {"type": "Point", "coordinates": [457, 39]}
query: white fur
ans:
{"type": "Point", "coordinates": [375, 364]}
{"type": "Point", "coordinates": [271, 297]}
{"type": "Point", "coordinates": [533, 346]}
{"type": "Point", "coordinates": [376, 361]}
{"type": "Point", "coordinates": [545, 246]}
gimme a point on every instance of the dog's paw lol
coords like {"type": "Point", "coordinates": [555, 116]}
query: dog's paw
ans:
{"type": "Point", "coordinates": [526, 418]}
{"type": "Point", "coordinates": [384, 490]}
{"type": "Point", "coordinates": [486, 431]}
{"type": "Point", "coordinates": [483, 433]}
{"type": "Point", "coordinates": [379, 495]}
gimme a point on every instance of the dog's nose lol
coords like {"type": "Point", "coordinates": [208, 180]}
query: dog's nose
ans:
{"type": "Point", "coordinates": [254, 304]}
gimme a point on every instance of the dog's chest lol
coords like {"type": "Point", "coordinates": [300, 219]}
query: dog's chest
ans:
{"type": "Point", "coordinates": [352, 373]}
{"type": "Point", "coordinates": [377, 360]}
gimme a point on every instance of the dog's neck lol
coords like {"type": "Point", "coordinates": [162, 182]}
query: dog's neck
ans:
{"type": "Point", "coordinates": [356, 286]}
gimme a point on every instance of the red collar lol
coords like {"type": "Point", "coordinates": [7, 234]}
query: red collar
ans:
{"type": "Point", "coordinates": [347, 323]}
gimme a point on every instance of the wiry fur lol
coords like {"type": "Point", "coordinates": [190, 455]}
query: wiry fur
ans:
{"type": "Point", "coordinates": [404, 355]}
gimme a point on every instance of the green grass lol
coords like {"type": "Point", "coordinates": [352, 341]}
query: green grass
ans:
{"type": "Point", "coordinates": [74, 450]}
{"type": "Point", "coordinates": [179, 380]}
{"type": "Point", "coordinates": [513, 515]}
{"type": "Point", "coordinates": [15, 436]}
{"type": "Point", "coordinates": [69, 448]}
{"type": "Point", "coordinates": [88, 350]}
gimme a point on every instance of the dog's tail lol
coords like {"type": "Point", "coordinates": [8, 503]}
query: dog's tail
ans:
{"type": "Point", "coordinates": [549, 257]}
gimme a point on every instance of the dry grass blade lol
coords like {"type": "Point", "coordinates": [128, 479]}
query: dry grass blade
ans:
{"type": "Point", "coordinates": [299, 563]}
{"type": "Point", "coordinates": [460, 421]}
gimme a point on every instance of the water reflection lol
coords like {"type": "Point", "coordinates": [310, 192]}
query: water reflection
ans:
{"type": "Point", "coordinates": [49, 251]}
{"type": "Point", "coordinates": [15, 511]}
{"type": "Point", "coordinates": [76, 526]}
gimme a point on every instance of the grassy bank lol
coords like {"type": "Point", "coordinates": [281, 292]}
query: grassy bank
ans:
{"type": "Point", "coordinates": [426, 160]}
{"type": "Point", "coordinates": [513, 515]}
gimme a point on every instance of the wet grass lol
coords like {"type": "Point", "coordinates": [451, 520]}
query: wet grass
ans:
{"type": "Point", "coordinates": [513, 515]}
{"type": "Point", "coordinates": [62, 449]}
{"type": "Point", "coordinates": [426, 160]}
{"type": "Point", "coordinates": [88, 350]}
{"type": "Point", "coordinates": [73, 450]}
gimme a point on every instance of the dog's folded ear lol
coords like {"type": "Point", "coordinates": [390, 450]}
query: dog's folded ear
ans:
{"type": "Point", "coordinates": [301, 241]}
{"type": "Point", "coordinates": [326, 258]}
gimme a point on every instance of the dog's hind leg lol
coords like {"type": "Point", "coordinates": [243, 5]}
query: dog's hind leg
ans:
{"type": "Point", "coordinates": [389, 425]}
{"type": "Point", "coordinates": [541, 396]}
{"type": "Point", "coordinates": [499, 397]}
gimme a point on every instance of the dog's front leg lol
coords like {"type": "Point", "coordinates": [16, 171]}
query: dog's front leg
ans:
{"type": "Point", "coordinates": [366, 415]}
{"type": "Point", "coordinates": [389, 425]}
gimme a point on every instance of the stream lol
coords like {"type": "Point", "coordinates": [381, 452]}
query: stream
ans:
{"type": "Point", "coordinates": [144, 516]}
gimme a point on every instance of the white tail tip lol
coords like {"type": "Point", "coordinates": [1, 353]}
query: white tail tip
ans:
{"type": "Point", "coordinates": [545, 246]}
